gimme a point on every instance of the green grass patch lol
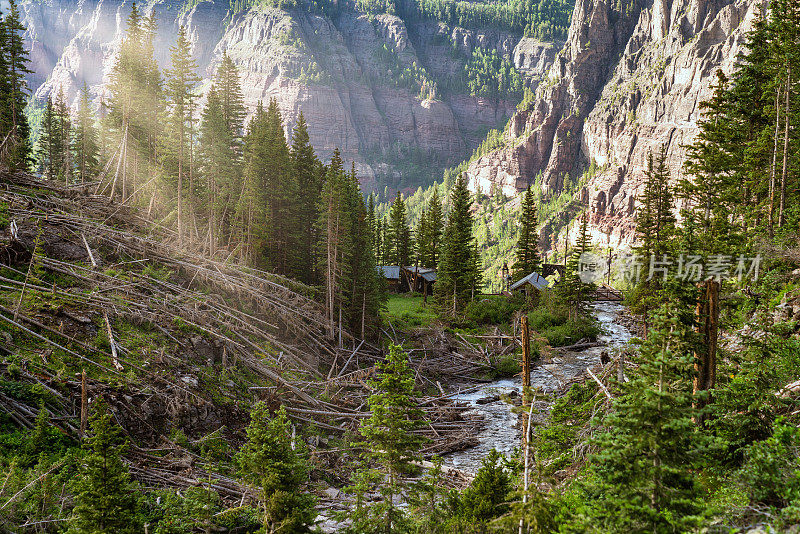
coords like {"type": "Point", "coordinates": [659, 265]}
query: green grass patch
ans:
{"type": "Point", "coordinates": [409, 310]}
{"type": "Point", "coordinates": [492, 309]}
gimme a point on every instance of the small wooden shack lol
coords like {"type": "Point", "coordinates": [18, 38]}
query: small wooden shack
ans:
{"type": "Point", "coordinates": [419, 279]}
{"type": "Point", "coordinates": [392, 275]}
{"type": "Point", "coordinates": [531, 282]}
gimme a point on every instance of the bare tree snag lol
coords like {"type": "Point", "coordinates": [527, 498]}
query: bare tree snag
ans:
{"type": "Point", "coordinates": [526, 355]}
{"type": "Point", "coordinates": [113, 344]}
{"type": "Point", "coordinates": [771, 214]}
{"type": "Point", "coordinates": [784, 169]}
{"type": "Point", "coordinates": [526, 374]}
{"type": "Point", "coordinates": [599, 383]}
{"type": "Point", "coordinates": [84, 404]}
{"type": "Point", "coordinates": [707, 316]}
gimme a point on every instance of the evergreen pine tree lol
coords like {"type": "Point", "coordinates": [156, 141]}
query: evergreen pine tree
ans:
{"type": "Point", "coordinates": [459, 276]}
{"type": "Point", "coordinates": [5, 82]}
{"type": "Point", "coordinates": [64, 129]}
{"type": "Point", "coordinates": [281, 195]}
{"type": "Point", "coordinates": [645, 457]}
{"type": "Point", "coordinates": [380, 246]}
{"type": "Point", "coordinates": [251, 229]}
{"type": "Point", "coordinates": [47, 154]}
{"type": "Point", "coordinates": [422, 239]}
{"type": "Point", "coordinates": [488, 495]}
{"type": "Point", "coordinates": [390, 444]}
{"type": "Point", "coordinates": [17, 151]}
{"type": "Point", "coordinates": [435, 229]}
{"type": "Point", "coordinates": [372, 226]}
{"type": "Point", "coordinates": [85, 149]}
{"type": "Point", "coordinates": [53, 154]}
{"type": "Point", "coordinates": [181, 82]}
{"type": "Point", "coordinates": [336, 243]}
{"type": "Point", "coordinates": [124, 106]}
{"type": "Point", "coordinates": [399, 234]}
{"type": "Point", "coordinates": [365, 296]}
{"type": "Point", "coordinates": [105, 500]}
{"type": "Point", "coordinates": [274, 462]}
{"type": "Point", "coordinates": [429, 232]}
{"type": "Point", "coordinates": [527, 252]}
{"type": "Point", "coordinates": [572, 289]}
{"type": "Point", "coordinates": [229, 88]}
{"type": "Point", "coordinates": [218, 166]}
{"type": "Point", "coordinates": [710, 191]}
{"type": "Point", "coordinates": [148, 101]}
{"type": "Point", "coordinates": [306, 170]}
{"type": "Point", "coordinates": [655, 230]}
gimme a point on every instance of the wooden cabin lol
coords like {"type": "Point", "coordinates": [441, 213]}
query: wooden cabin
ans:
{"type": "Point", "coordinates": [531, 282]}
{"type": "Point", "coordinates": [392, 275]}
{"type": "Point", "coordinates": [419, 279]}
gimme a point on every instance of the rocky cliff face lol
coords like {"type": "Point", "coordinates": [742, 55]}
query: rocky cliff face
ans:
{"type": "Point", "coordinates": [335, 70]}
{"type": "Point", "coordinates": [628, 81]}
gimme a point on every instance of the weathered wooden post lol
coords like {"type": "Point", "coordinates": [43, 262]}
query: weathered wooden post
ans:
{"type": "Point", "coordinates": [84, 403]}
{"type": "Point", "coordinates": [705, 363]}
{"type": "Point", "coordinates": [526, 357]}
{"type": "Point", "coordinates": [526, 415]}
{"type": "Point", "coordinates": [526, 374]}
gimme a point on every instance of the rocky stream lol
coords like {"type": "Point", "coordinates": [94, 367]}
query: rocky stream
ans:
{"type": "Point", "coordinates": [501, 431]}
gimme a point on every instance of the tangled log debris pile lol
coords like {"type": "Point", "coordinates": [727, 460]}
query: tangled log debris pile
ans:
{"type": "Point", "coordinates": [175, 340]}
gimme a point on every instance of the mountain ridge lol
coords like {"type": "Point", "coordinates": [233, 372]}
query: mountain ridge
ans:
{"type": "Point", "coordinates": [371, 85]}
{"type": "Point", "coordinates": [628, 81]}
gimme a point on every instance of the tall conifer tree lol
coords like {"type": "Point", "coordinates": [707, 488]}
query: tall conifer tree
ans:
{"type": "Point", "coordinates": [306, 170]}
{"type": "Point", "coordinates": [365, 294]}
{"type": "Point", "coordinates": [527, 252]}
{"type": "Point", "coordinates": [251, 229]}
{"type": "Point", "coordinates": [47, 156]}
{"type": "Point", "coordinates": [645, 456]}
{"type": "Point", "coordinates": [573, 290]}
{"type": "Point", "coordinates": [399, 245]}
{"type": "Point", "coordinates": [435, 229]}
{"type": "Point", "coordinates": [335, 243]}
{"type": "Point", "coordinates": [218, 165]}
{"type": "Point", "coordinates": [273, 461]}
{"type": "Point", "coordinates": [281, 193]}
{"type": "Point", "coordinates": [391, 444]}
{"type": "Point", "coordinates": [459, 275]}
{"type": "Point", "coordinates": [17, 149]}
{"type": "Point", "coordinates": [181, 81]}
{"type": "Point", "coordinates": [86, 151]}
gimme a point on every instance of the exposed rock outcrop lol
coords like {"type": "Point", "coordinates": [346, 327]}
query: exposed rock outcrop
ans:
{"type": "Point", "coordinates": [628, 81]}
{"type": "Point", "coordinates": [343, 73]}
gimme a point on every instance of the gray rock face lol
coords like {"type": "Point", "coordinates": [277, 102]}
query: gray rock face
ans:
{"type": "Point", "coordinates": [335, 71]}
{"type": "Point", "coordinates": [625, 84]}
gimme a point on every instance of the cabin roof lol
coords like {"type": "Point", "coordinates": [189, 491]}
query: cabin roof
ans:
{"type": "Point", "coordinates": [392, 272]}
{"type": "Point", "coordinates": [429, 276]}
{"type": "Point", "coordinates": [420, 270]}
{"type": "Point", "coordinates": [534, 279]}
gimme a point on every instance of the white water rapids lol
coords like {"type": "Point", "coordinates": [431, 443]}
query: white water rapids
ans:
{"type": "Point", "coordinates": [500, 431]}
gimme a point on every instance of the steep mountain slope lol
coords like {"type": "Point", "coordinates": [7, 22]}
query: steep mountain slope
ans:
{"type": "Point", "coordinates": [387, 91]}
{"type": "Point", "coordinates": [97, 302]}
{"type": "Point", "coordinates": [628, 81]}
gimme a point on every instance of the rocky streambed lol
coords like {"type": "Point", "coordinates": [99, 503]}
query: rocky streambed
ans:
{"type": "Point", "coordinates": [495, 401]}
